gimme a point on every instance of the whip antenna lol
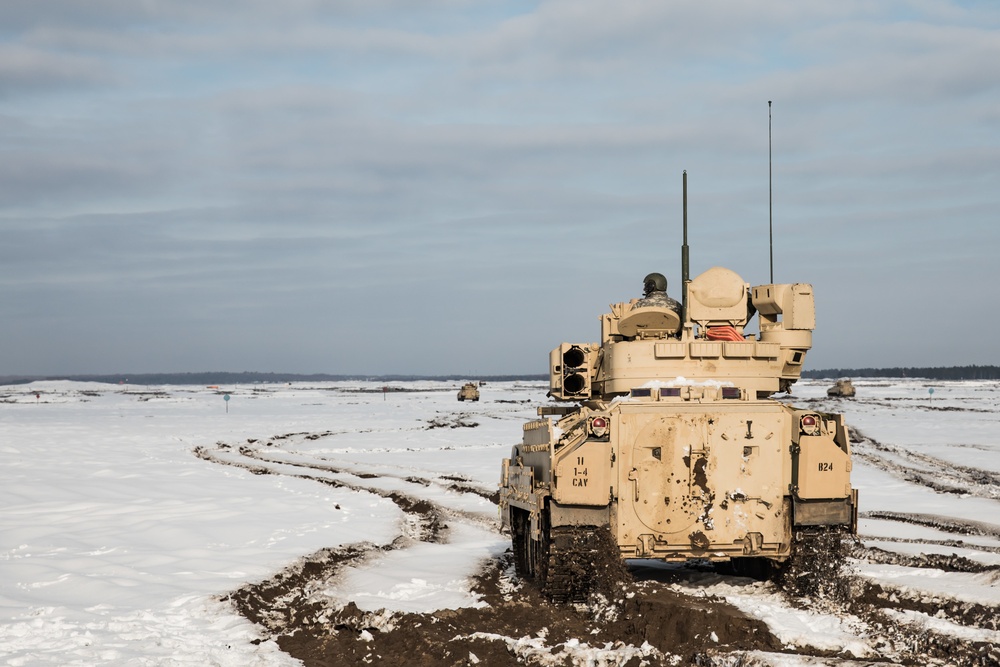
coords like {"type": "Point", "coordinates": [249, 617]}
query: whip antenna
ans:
{"type": "Point", "coordinates": [685, 268]}
{"type": "Point", "coordinates": [770, 204]}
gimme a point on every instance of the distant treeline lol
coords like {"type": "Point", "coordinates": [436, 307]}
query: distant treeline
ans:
{"type": "Point", "coordinates": [945, 373]}
{"type": "Point", "coordinates": [224, 378]}
{"type": "Point", "coordinates": [248, 377]}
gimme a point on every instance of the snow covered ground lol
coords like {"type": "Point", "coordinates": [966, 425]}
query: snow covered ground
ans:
{"type": "Point", "coordinates": [128, 511]}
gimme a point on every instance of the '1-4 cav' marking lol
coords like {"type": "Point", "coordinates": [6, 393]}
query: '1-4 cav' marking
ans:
{"type": "Point", "coordinates": [579, 474]}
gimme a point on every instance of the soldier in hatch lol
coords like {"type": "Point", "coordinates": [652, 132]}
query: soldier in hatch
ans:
{"type": "Point", "coordinates": [654, 290]}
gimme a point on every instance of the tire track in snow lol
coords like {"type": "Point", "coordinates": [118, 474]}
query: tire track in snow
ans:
{"type": "Point", "coordinates": [294, 598]}
{"type": "Point", "coordinates": [948, 524]}
{"type": "Point", "coordinates": [957, 544]}
{"type": "Point", "coordinates": [929, 471]}
{"type": "Point", "coordinates": [291, 603]}
{"type": "Point", "coordinates": [368, 482]}
{"type": "Point", "coordinates": [324, 463]}
{"type": "Point", "coordinates": [892, 403]}
{"type": "Point", "coordinates": [427, 520]}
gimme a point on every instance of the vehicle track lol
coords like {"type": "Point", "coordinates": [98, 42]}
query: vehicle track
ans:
{"type": "Point", "coordinates": [645, 623]}
{"type": "Point", "coordinates": [449, 482]}
{"type": "Point", "coordinates": [270, 459]}
{"type": "Point", "coordinates": [892, 403]}
{"type": "Point", "coordinates": [959, 544]}
{"type": "Point", "coordinates": [929, 471]}
{"type": "Point", "coordinates": [293, 610]}
{"type": "Point", "coordinates": [945, 523]}
{"type": "Point", "coordinates": [428, 521]}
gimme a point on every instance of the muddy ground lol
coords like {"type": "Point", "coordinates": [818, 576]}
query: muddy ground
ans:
{"type": "Point", "coordinates": [647, 621]}
{"type": "Point", "coordinates": [643, 616]}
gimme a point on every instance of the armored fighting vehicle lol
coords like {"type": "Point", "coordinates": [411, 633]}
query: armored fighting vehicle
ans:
{"type": "Point", "coordinates": [469, 392]}
{"type": "Point", "coordinates": [843, 387]}
{"type": "Point", "coordinates": [668, 440]}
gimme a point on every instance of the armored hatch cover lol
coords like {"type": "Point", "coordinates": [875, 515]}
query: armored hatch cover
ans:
{"type": "Point", "coordinates": [648, 319]}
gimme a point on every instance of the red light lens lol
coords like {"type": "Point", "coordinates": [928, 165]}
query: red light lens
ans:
{"type": "Point", "coordinates": [808, 420]}
{"type": "Point", "coordinates": [599, 422]}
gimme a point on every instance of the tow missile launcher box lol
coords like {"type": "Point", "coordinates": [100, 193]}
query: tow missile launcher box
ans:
{"type": "Point", "coordinates": [668, 439]}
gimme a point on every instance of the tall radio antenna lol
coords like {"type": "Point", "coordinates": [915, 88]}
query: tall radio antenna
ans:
{"type": "Point", "coordinates": [685, 265]}
{"type": "Point", "coordinates": [770, 200]}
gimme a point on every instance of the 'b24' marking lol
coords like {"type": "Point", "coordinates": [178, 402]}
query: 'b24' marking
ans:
{"type": "Point", "coordinates": [825, 467]}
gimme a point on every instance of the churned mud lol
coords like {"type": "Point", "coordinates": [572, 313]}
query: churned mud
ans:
{"type": "Point", "coordinates": [645, 624]}
{"type": "Point", "coordinates": [636, 617]}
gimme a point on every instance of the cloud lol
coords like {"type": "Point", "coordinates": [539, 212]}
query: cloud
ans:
{"type": "Point", "coordinates": [359, 172]}
{"type": "Point", "coordinates": [24, 69]}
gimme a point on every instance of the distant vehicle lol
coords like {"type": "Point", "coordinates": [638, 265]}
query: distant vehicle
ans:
{"type": "Point", "coordinates": [843, 388]}
{"type": "Point", "coordinates": [469, 392]}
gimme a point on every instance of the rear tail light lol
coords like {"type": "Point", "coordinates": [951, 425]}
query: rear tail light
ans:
{"type": "Point", "coordinates": [599, 427]}
{"type": "Point", "coordinates": [809, 424]}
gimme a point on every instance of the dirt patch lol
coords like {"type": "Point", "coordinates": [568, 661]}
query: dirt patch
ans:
{"type": "Point", "coordinates": [624, 621]}
{"type": "Point", "coordinates": [285, 601]}
{"type": "Point", "coordinates": [883, 611]}
{"type": "Point", "coordinates": [492, 496]}
{"type": "Point", "coordinates": [583, 565]}
{"type": "Point", "coordinates": [821, 580]}
{"type": "Point", "coordinates": [944, 523]}
{"type": "Point", "coordinates": [969, 614]}
{"type": "Point", "coordinates": [646, 624]}
{"type": "Point", "coordinates": [815, 569]}
{"type": "Point", "coordinates": [943, 562]}
{"type": "Point", "coordinates": [452, 421]}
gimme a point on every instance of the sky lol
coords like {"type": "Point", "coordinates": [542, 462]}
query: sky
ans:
{"type": "Point", "coordinates": [457, 186]}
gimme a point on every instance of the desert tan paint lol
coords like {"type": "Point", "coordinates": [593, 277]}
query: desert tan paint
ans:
{"type": "Point", "coordinates": [675, 442]}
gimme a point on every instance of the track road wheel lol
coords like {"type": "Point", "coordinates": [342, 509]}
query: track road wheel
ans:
{"type": "Point", "coordinates": [538, 551]}
{"type": "Point", "coordinates": [817, 555]}
{"type": "Point", "coordinates": [519, 541]}
{"type": "Point", "coordinates": [757, 568]}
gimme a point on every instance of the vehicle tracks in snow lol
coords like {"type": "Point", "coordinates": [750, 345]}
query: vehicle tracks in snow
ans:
{"type": "Point", "coordinates": [427, 521]}
{"type": "Point", "coordinates": [929, 471]}
{"type": "Point", "coordinates": [651, 623]}
{"type": "Point", "coordinates": [944, 523]}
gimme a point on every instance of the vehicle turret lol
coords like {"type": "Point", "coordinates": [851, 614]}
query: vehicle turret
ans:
{"type": "Point", "coordinates": [648, 345]}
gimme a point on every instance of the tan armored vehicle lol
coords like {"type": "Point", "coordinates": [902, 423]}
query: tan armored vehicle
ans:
{"type": "Point", "coordinates": [674, 444]}
{"type": "Point", "coordinates": [843, 388]}
{"type": "Point", "coordinates": [469, 392]}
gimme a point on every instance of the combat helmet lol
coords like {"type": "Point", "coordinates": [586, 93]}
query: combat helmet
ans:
{"type": "Point", "coordinates": [654, 282]}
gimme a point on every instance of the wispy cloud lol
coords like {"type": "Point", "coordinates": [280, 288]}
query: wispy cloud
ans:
{"type": "Point", "coordinates": [295, 178]}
